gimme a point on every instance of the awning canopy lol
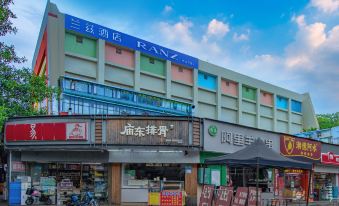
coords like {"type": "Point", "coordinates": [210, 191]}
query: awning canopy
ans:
{"type": "Point", "coordinates": [258, 154]}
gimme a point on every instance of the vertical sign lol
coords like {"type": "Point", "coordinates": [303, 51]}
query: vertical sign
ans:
{"type": "Point", "coordinates": [252, 197]}
{"type": "Point", "coordinates": [240, 197]}
{"type": "Point", "coordinates": [206, 195]}
{"type": "Point", "coordinates": [224, 196]}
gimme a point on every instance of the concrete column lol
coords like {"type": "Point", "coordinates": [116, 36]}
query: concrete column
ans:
{"type": "Point", "coordinates": [168, 79]}
{"type": "Point", "coordinates": [101, 61]}
{"type": "Point", "coordinates": [258, 108]}
{"type": "Point", "coordinates": [137, 71]}
{"type": "Point", "coordinates": [195, 91]}
{"type": "Point", "coordinates": [274, 112]}
{"type": "Point", "coordinates": [289, 117]}
{"type": "Point", "coordinates": [239, 103]}
{"type": "Point", "coordinates": [218, 97]}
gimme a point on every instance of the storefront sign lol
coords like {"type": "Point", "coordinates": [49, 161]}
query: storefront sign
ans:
{"type": "Point", "coordinates": [224, 196]}
{"type": "Point", "coordinates": [252, 197]}
{"type": "Point", "coordinates": [330, 158]}
{"type": "Point", "coordinates": [225, 137]}
{"type": "Point", "coordinates": [240, 197]}
{"type": "Point", "coordinates": [168, 197]}
{"type": "Point", "coordinates": [206, 195]}
{"type": "Point", "coordinates": [293, 171]}
{"type": "Point", "coordinates": [94, 30]}
{"type": "Point", "coordinates": [147, 132]}
{"type": "Point", "coordinates": [18, 166]}
{"type": "Point", "coordinates": [60, 131]}
{"type": "Point", "coordinates": [300, 148]}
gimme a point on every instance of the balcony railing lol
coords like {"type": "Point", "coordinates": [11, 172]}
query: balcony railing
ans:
{"type": "Point", "coordinates": [120, 98]}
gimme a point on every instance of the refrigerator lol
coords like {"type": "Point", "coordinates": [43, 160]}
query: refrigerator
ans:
{"type": "Point", "coordinates": [25, 183]}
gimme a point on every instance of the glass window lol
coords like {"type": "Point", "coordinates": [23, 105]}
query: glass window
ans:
{"type": "Point", "coordinates": [108, 92]}
{"type": "Point", "coordinates": [139, 175]}
{"type": "Point", "coordinates": [296, 106]}
{"type": "Point", "coordinates": [81, 87]}
{"type": "Point", "coordinates": [67, 83]}
{"type": "Point", "coordinates": [100, 90]}
{"type": "Point", "coordinates": [282, 102]}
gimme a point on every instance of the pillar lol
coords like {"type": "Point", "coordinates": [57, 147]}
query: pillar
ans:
{"type": "Point", "coordinates": [115, 184]}
{"type": "Point", "coordinates": [191, 183]}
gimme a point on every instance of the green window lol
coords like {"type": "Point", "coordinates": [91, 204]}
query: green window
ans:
{"type": "Point", "coordinates": [80, 45]}
{"type": "Point", "coordinates": [152, 65]}
{"type": "Point", "coordinates": [249, 93]}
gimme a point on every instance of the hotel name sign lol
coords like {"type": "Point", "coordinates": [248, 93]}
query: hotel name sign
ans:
{"type": "Point", "coordinates": [97, 31]}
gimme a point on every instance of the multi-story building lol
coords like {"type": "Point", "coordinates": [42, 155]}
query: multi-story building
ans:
{"type": "Point", "coordinates": [330, 135]}
{"type": "Point", "coordinates": [101, 70]}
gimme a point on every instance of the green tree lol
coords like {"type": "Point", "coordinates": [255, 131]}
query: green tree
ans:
{"type": "Point", "coordinates": [328, 120]}
{"type": "Point", "coordinates": [20, 89]}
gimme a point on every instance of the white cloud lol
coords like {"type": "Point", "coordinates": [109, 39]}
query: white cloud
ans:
{"type": "Point", "coordinates": [167, 9]}
{"type": "Point", "coordinates": [179, 36]}
{"type": "Point", "coordinates": [241, 37]}
{"type": "Point", "coordinates": [217, 28]}
{"type": "Point", "coordinates": [326, 6]}
{"type": "Point", "coordinates": [300, 20]}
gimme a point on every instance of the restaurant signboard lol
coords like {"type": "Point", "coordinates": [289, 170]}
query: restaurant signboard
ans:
{"type": "Point", "coordinates": [300, 148]}
{"type": "Point", "coordinates": [148, 132]}
{"type": "Point", "coordinates": [58, 131]}
{"type": "Point", "coordinates": [330, 158]}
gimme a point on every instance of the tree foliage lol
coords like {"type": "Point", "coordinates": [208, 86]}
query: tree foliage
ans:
{"type": "Point", "coordinates": [20, 89]}
{"type": "Point", "coordinates": [328, 120]}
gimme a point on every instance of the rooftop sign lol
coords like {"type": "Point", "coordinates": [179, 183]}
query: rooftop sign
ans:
{"type": "Point", "coordinates": [94, 30]}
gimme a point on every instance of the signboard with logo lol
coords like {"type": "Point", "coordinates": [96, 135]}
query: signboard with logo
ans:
{"type": "Point", "coordinates": [18, 166]}
{"type": "Point", "coordinates": [61, 131]}
{"type": "Point", "coordinates": [226, 137]}
{"type": "Point", "coordinates": [206, 196]}
{"type": "Point", "coordinates": [94, 30]}
{"type": "Point", "coordinates": [240, 197]}
{"type": "Point", "coordinates": [330, 158]}
{"type": "Point", "coordinates": [224, 196]}
{"type": "Point", "coordinates": [299, 148]}
{"type": "Point", "coordinates": [148, 132]}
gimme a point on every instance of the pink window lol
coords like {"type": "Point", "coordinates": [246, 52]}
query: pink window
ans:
{"type": "Point", "coordinates": [229, 87]}
{"type": "Point", "coordinates": [182, 74]}
{"type": "Point", "coordinates": [266, 98]}
{"type": "Point", "coordinates": [119, 56]}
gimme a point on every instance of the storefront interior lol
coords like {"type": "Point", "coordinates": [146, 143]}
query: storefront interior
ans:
{"type": "Point", "coordinates": [59, 180]}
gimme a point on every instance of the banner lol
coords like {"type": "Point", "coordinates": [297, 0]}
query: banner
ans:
{"type": "Point", "coordinates": [240, 197]}
{"type": "Point", "coordinates": [299, 148]}
{"type": "Point", "coordinates": [60, 131]}
{"type": "Point", "coordinates": [330, 158]}
{"type": "Point", "coordinates": [224, 196]}
{"type": "Point", "coordinates": [206, 195]}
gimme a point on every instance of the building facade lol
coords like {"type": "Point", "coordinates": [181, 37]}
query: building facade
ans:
{"type": "Point", "coordinates": [104, 71]}
{"type": "Point", "coordinates": [330, 135]}
{"type": "Point", "coordinates": [119, 159]}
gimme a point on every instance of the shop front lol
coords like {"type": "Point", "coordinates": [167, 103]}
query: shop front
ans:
{"type": "Point", "coordinates": [326, 174]}
{"type": "Point", "coordinates": [225, 138]}
{"type": "Point", "coordinates": [293, 183]}
{"type": "Point", "coordinates": [155, 159]}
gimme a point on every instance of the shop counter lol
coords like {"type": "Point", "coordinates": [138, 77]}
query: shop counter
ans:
{"type": "Point", "coordinates": [134, 194]}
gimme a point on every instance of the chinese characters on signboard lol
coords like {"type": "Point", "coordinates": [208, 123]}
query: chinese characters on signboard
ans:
{"type": "Point", "coordinates": [300, 148]}
{"type": "Point", "coordinates": [142, 131]}
{"type": "Point", "coordinates": [59, 131]}
{"type": "Point", "coordinates": [240, 197]}
{"type": "Point", "coordinates": [224, 196]}
{"type": "Point", "coordinates": [206, 196]}
{"type": "Point", "coordinates": [94, 30]}
{"type": "Point", "coordinates": [171, 198]}
{"type": "Point", "coordinates": [330, 158]}
{"type": "Point", "coordinates": [240, 139]}
{"type": "Point", "coordinates": [147, 132]}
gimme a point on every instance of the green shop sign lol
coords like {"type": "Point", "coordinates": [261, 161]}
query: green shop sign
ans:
{"type": "Point", "coordinates": [212, 130]}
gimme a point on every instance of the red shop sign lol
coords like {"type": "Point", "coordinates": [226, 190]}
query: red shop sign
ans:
{"type": "Point", "coordinates": [168, 197]}
{"type": "Point", "coordinates": [240, 197]}
{"type": "Point", "coordinates": [224, 196]}
{"type": "Point", "coordinates": [206, 195]}
{"type": "Point", "coordinates": [60, 131]}
{"type": "Point", "coordinates": [299, 147]}
{"type": "Point", "coordinates": [330, 158]}
{"type": "Point", "coordinates": [252, 198]}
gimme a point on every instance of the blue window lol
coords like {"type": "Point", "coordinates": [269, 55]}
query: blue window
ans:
{"type": "Point", "coordinates": [296, 106]}
{"type": "Point", "coordinates": [282, 102]}
{"type": "Point", "coordinates": [207, 81]}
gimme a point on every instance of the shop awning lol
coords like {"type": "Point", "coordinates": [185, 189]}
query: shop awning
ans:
{"type": "Point", "coordinates": [258, 154]}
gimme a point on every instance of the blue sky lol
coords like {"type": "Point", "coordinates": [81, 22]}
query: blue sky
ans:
{"type": "Point", "coordinates": [291, 44]}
